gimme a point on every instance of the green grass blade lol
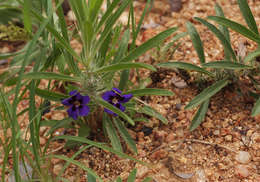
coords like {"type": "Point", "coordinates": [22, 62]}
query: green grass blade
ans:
{"type": "Point", "coordinates": [148, 45]}
{"type": "Point", "coordinates": [226, 65]}
{"type": "Point", "coordinates": [152, 112]}
{"type": "Point", "coordinates": [123, 45]}
{"type": "Point", "coordinates": [236, 27]}
{"type": "Point", "coordinates": [226, 44]}
{"type": "Point", "coordinates": [115, 110]}
{"type": "Point", "coordinates": [256, 108]}
{"type": "Point", "coordinates": [49, 95]}
{"type": "Point", "coordinates": [150, 91]}
{"type": "Point", "coordinates": [49, 76]}
{"type": "Point", "coordinates": [132, 176]}
{"type": "Point", "coordinates": [67, 159]}
{"type": "Point", "coordinates": [125, 135]}
{"type": "Point", "coordinates": [248, 16]}
{"type": "Point", "coordinates": [112, 133]}
{"type": "Point", "coordinates": [200, 115]}
{"type": "Point", "coordinates": [26, 15]}
{"type": "Point", "coordinates": [196, 41]}
{"type": "Point", "coordinates": [223, 29]}
{"type": "Point", "coordinates": [207, 93]}
{"type": "Point", "coordinates": [185, 66]}
{"type": "Point", "coordinates": [251, 56]}
{"type": "Point", "coordinates": [147, 179]}
{"type": "Point", "coordinates": [99, 145]}
{"type": "Point", "coordinates": [123, 66]}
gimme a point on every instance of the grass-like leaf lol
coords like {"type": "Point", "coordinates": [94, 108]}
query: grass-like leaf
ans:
{"type": "Point", "coordinates": [236, 27]}
{"type": "Point", "coordinates": [148, 45]}
{"type": "Point", "coordinates": [226, 44]}
{"type": "Point", "coordinates": [256, 108]}
{"type": "Point", "coordinates": [123, 66]}
{"type": "Point", "coordinates": [152, 112]}
{"type": "Point", "coordinates": [226, 65]}
{"type": "Point", "coordinates": [200, 115]}
{"type": "Point", "coordinates": [49, 76]}
{"type": "Point", "coordinates": [49, 95]}
{"type": "Point", "coordinates": [125, 135]}
{"type": "Point", "coordinates": [251, 56]}
{"type": "Point", "coordinates": [247, 14]}
{"type": "Point", "coordinates": [112, 133]}
{"type": "Point", "coordinates": [150, 91]}
{"type": "Point", "coordinates": [101, 146]}
{"type": "Point", "coordinates": [196, 41]}
{"type": "Point", "coordinates": [207, 93]}
{"type": "Point", "coordinates": [132, 176]}
{"type": "Point", "coordinates": [185, 66]}
{"type": "Point", "coordinates": [77, 164]}
{"type": "Point", "coordinates": [115, 110]}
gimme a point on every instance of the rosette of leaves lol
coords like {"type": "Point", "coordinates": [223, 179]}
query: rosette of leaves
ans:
{"type": "Point", "coordinates": [221, 72]}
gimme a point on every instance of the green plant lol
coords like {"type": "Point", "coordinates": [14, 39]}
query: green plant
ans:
{"type": "Point", "coordinates": [131, 177]}
{"type": "Point", "coordinates": [101, 67]}
{"type": "Point", "coordinates": [225, 71]}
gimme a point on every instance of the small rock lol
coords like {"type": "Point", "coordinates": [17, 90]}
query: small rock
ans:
{"type": "Point", "coordinates": [241, 171]}
{"type": "Point", "coordinates": [179, 83]}
{"type": "Point", "coordinates": [243, 157]}
{"type": "Point", "coordinates": [57, 168]}
{"type": "Point", "coordinates": [142, 171]}
{"type": "Point", "coordinates": [216, 132]}
{"type": "Point", "coordinates": [178, 106]}
{"type": "Point", "coordinates": [200, 175]}
{"type": "Point", "coordinates": [170, 137]}
{"type": "Point", "coordinates": [228, 138]}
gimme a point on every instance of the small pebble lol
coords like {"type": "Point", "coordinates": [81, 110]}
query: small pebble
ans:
{"type": "Point", "coordinates": [228, 138]}
{"type": "Point", "coordinates": [241, 171]}
{"type": "Point", "coordinates": [57, 168]}
{"type": "Point", "coordinates": [216, 132]}
{"type": "Point", "coordinates": [243, 157]}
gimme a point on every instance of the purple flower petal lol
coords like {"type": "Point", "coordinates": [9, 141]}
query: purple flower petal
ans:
{"type": "Point", "coordinates": [67, 102]}
{"type": "Point", "coordinates": [120, 106]}
{"type": "Point", "coordinates": [109, 95]}
{"type": "Point", "coordinates": [85, 99]}
{"type": "Point", "coordinates": [73, 92]}
{"type": "Point", "coordinates": [110, 112]}
{"type": "Point", "coordinates": [126, 98]}
{"type": "Point", "coordinates": [83, 110]}
{"type": "Point", "coordinates": [73, 112]}
{"type": "Point", "coordinates": [117, 90]}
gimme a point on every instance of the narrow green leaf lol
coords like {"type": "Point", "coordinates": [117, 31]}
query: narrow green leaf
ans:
{"type": "Point", "coordinates": [125, 135]}
{"type": "Point", "coordinates": [256, 108]}
{"type": "Point", "coordinates": [248, 16]}
{"type": "Point", "coordinates": [112, 133]}
{"type": "Point", "coordinates": [251, 56]}
{"type": "Point", "coordinates": [236, 27]}
{"type": "Point", "coordinates": [148, 45]}
{"type": "Point", "coordinates": [132, 176]}
{"type": "Point", "coordinates": [147, 179]}
{"type": "Point", "coordinates": [123, 45]}
{"type": "Point", "coordinates": [49, 76]}
{"type": "Point", "coordinates": [207, 93]}
{"type": "Point", "coordinates": [115, 110]}
{"type": "Point", "coordinates": [91, 178]}
{"type": "Point", "coordinates": [99, 145]}
{"type": "Point", "coordinates": [26, 15]}
{"type": "Point", "coordinates": [185, 66]}
{"type": "Point", "coordinates": [200, 115]}
{"type": "Point", "coordinates": [77, 164]}
{"type": "Point", "coordinates": [94, 8]}
{"type": "Point", "coordinates": [123, 66]}
{"type": "Point", "coordinates": [152, 112]}
{"type": "Point", "coordinates": [150, 91]}
{"type": "Point", "coordinates": [196, 41]}
{"type": "Point", "coordinates": [221, 37]}
{"type": "Point", "coordinates": [49, 95]}
{"type": "Point", "coordinates": [226, 65]}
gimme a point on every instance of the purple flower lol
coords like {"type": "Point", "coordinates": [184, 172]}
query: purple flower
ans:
{"type": "Point", "coordinates": [115, 98]}
{"type": "Point", "coordinates": [77, 104]}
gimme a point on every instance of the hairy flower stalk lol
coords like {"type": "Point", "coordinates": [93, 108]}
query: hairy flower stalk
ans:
{"type": "Point", "coordinates": [77, 104]}
{"type": "Point", "coordinates": [116, 98]}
